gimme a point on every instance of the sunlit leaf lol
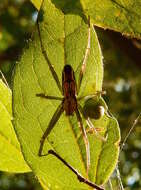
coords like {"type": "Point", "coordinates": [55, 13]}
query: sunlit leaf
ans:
{"type": "Point", "coordinates": [37, 3]}
{"type": "Point", "coordinates": [11, 159]}
{"type": "Point", "coordinates": [121, 16]}
{"type": "Point", "coordinates": [65, 38]}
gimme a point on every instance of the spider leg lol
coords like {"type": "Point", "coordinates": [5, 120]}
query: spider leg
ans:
{"type": "Point", "coordinates": [97, 93]}
{"type": "Point", "coordinates": [91, 126]}
{"type": "Point", "coordinates": [54, 74]}
{"type": "Point", "coordinates": [42, 95]}
{"type": "Point", "coordinates": [79, 176]}
{"type": "Point", "coordinates": [94, 130]}
{"type": "Point", "coordinates": [52, 123]}
{"type": "Point", "coordinates": [83, 67]}
{"type": "Point", "coordinates": [86, 141]}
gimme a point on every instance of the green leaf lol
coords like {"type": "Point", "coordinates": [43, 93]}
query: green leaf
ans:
{"type": "Point", "coordinates": [36, 3]}
{"type": "Point", "coordinates": [121, 16]}
{"type": "Point", "coordinates": [65, 38]}
{"type": "Point", "coordinates": [10, 153]}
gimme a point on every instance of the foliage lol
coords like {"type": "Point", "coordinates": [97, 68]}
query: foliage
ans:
{"type": "Point", "coordinates": [121, 16]}
{"type": "Point", "coordinates": [10, 152]}
{"type": "Point", "coordinates": [120, 79]}
{"type": "Point", "coordinates": [65, 43]}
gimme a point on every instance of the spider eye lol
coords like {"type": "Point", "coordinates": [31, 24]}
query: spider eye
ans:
{"type": "Point", "coordinates": [94, 108]}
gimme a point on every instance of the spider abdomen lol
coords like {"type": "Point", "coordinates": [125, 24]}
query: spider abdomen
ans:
{"type": "Point", "coordinates": [70, 105]}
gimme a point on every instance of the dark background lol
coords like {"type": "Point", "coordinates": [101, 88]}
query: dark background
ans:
{"type": "Point", "coordinates": [122, 82]}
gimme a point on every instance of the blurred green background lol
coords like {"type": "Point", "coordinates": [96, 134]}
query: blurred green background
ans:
{"type": "Point", "coordinates": [122, 82]}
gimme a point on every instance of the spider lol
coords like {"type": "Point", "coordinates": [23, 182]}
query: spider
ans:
{"type": "Point", "coordinates": [70, 104]}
